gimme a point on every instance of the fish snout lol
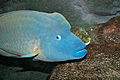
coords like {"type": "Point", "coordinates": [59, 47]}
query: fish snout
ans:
{"type": "Point", "coordinates": [79, 50]}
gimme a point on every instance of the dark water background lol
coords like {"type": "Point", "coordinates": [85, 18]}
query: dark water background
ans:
{"type": "Point", "coordinates": [24, 69]}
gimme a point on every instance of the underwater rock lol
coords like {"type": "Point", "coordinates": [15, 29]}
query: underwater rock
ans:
{"type": "Point", "coordinates": [108, 32]}
{"type": "Point", "coordinates": [102, 60]}
{"type": "Point", "coordinates": [112, 31]}
{"type": "Point", "coordinates": [97, 11]}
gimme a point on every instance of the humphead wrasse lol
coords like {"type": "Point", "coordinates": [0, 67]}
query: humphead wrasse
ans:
{"type": "Point", "coordinates": [43, 36]}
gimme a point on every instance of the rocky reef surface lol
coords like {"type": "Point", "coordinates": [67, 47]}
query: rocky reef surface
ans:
{"type": "Point", "coordinates": [103, 59]}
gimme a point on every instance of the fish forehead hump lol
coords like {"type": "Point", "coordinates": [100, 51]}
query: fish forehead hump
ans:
{"type": "Point", "coordinates": [51, 22]}
{"type": "Point", "coordinates": [59, 18]}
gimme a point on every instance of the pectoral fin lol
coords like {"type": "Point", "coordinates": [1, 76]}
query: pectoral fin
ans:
{"type": "Point", "coordinates": [36, 52]}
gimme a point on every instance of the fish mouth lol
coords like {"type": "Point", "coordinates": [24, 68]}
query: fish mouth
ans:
{"type": "Point", "coordinates": [80, 53]}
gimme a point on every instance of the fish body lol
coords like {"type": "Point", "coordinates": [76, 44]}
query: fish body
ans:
{"type": "Point", "coordinates": [43, 36]}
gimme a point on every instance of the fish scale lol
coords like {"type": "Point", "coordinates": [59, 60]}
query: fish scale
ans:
{"type": "Point", "coordinates": [14, 35]}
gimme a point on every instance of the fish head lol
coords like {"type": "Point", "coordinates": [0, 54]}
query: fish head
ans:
{"type": "Point", "coordinates": [57, 42]}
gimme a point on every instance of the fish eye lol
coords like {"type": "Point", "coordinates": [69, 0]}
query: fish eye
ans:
{"type": "Point", "coordinates": [58, 37]}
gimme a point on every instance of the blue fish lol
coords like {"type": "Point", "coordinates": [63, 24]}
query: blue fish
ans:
{"type": "Point", "coordinates": [43, 36]}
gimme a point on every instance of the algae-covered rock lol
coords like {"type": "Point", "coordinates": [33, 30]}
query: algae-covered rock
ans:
{"type": "Point", "coordinates": [82, 34]}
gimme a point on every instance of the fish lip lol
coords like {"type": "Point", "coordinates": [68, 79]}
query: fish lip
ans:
{"type": "Point", "coordinates": [80, 50]}
{"type": "Point", "coordinates": [80, 53]}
